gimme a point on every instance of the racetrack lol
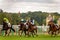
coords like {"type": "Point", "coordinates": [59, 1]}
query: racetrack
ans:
{"type": "Point", "coordinates": [39, 37]}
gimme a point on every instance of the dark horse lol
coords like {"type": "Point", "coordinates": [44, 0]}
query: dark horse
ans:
{"type": "Point", "coordinates": [53, 28]}
{"type": "Point", "coordinates": [6, 28]}
{"type": "Point", "coordinates": [22, 28]}
{"type": "Point", "coordinates": [32, 29]}
{"type": "Point", "coordinates": [27, 28]}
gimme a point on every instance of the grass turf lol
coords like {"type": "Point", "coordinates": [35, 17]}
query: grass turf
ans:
{"type": "Point", "coordinates": [39, 37]}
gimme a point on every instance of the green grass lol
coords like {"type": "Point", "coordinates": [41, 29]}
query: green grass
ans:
{"type": "Point", "coordinates": [40, 37]}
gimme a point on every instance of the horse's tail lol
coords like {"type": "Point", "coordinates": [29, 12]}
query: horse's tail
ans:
{"type": "Point", "coordinates": [12, 29]}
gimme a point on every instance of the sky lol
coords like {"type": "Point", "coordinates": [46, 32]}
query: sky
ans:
{"type": "Point", "coordinates": [30, 5]}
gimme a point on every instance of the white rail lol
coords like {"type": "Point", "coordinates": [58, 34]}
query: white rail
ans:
{"type": "Point", "coordinates": [43, 28]}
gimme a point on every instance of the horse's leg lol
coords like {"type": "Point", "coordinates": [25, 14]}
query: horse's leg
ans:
{"type": "Point", "coordinates": [19, 32]}
{"type": "Point", "coordinates": [49, 31]}
{"type": "Point", "coordinates": [32, 32]}
{"type": "Point", "coordinates": [5, 32]}
{"type": "Point", "coordinates": [35, 32]}
{"type": "Point", "coordinates": [52, 33]}
{"type": "Point", "coordinates": [8, 32]}
{"type": "Point", "coordinates": [58, 30]}
{"type": "Point", "coordinates": [55, 33]}
{"type": "Point", "coordinates": [28, 32]}
{"type": "Point", "coordinates": [13, 31]}
{"type": "Point", "coordinates": [25, 32]}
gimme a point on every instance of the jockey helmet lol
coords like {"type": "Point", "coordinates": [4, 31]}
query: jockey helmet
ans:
{"type": "Point", "coordinates": [22, 19]}
{"type": "Point", "coordinates": [5, 19]}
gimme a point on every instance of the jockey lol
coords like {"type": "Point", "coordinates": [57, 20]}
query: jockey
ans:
{"type": "Point", "coordinates": [32, 21]}
{"type": "Point", "coordinates": [51, 19]}
{"type": "Point", "coordinates": [22, 21]}
{"type": "Point", "coordinates": [7, 21]}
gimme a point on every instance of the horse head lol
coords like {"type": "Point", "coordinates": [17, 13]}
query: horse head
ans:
{"type": "Point", "coordinates": [50, 23]}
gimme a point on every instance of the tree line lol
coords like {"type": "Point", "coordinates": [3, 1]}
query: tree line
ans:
{"type": "Point", "coordinates": [38, 16]}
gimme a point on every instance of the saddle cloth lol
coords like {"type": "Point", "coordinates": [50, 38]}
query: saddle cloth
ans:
{"type": "Point", "coordinates": [9, 25]}
{"type": "Point", "coordinates": [26, 26]}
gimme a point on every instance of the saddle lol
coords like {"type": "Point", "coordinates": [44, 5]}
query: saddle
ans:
{"type": "Point", "coordinates": [26, 26]}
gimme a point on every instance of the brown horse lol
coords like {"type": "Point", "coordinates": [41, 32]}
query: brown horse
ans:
{"type": "Point", "coordinates": [32, 28]}
{"type": "Point", "coordinates": [22, 28]}
{"type": "Point", "coordinates": [27, 28]}
{"type": "Point", "coordinates": [7, 29]}
{"type": "Point", "coordinates": [52, 28]}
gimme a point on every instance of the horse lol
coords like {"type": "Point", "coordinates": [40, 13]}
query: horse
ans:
{"type": "Point", "coordinates": [22, 28]}
{"type": "Point", "coordinates": [52, 28]}
{"type": "Point", "coordinates": [32, 28]}
{"type": "Point", "coordinates": [58, 29]}
{"type": "Point", "coordinates": [7, 29]}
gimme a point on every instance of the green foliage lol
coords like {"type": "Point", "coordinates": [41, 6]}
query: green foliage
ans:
{"type": "Point", "coordinates": [38, 16]}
